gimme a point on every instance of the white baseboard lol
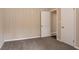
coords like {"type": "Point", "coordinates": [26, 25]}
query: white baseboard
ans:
{"type": "Point", "coordinates": [46, 35]}
{"type": "Point", "coordinates": [76, 47]}
{"type": "Point", "coordinates": [73, 46]}
{"type": "Point", "coordinates": [66, 43]}
{"type": "Point", "coordinates": [1, 44]}
{"type": "Point", "coordinates": [29, 38]}
{"type": "Point", "coordinates": [54, 33]}
{"type": "Point", "coordinates": [59, 39]}
{"type": "Point", "coordinates": [21, 38]}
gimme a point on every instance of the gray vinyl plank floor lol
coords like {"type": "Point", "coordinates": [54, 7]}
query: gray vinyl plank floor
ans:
{"type": "Point", "coordinates": [47, 43]}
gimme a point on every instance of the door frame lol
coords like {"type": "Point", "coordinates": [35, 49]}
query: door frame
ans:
{"type": "Point", "coordinates": [75, 28]}
{"type": "Point", "coordinates": [75, 15]}
{"type": "Point", "coordinates": [54, 11]}
{"type": "Point", "coordinates": [57, 20]}
{"type": "Point", "coordinates": [57, 15]}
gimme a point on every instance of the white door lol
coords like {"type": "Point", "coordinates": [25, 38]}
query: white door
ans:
{"type": "Point", "coordinates": [45, 23]}
{"type": "Point", "coordinates": [67, 25]}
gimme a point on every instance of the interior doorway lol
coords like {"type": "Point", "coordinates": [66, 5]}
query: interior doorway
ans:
{"type": "Point", "coordinates": [49, 23]}
{"type": "Point", "coordinates": [53, 23]}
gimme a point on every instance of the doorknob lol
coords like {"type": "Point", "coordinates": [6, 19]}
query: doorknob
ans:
{"type": "Point", "coordinates": [62, 27]}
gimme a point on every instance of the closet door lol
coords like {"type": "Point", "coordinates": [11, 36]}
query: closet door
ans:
{"type": "Point", "coordinates": [67, 25]}
{"type": "Point", "coordinates": [45, 24]}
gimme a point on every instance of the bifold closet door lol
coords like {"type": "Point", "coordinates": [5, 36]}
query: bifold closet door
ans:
{"type": "Point", "coordinates": [67, 25]}
{"type": "Point", "coordinates": [45, 23]}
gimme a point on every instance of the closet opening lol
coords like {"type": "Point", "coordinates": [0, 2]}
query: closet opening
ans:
{"type": "Point", "coordinates": [53, 23]}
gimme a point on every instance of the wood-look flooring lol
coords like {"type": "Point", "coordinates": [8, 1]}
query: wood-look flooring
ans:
{"type": "Point", "coordinates": [47, 43]}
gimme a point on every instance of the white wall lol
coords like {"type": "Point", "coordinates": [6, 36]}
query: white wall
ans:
{"type": "Point", "coordinates": [77, 27]}
{"type": "Point", "coordinates": [1, 28]}
{"type": "Point", "coordinates": [53, 22]}
{"type": "Point", "coordinates": [21, 23]}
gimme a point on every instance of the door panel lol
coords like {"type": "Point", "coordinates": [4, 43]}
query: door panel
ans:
{"type": "Point", "coordinates": [45, 24]}
{"type": "Point", "coordinates": [67, 25]}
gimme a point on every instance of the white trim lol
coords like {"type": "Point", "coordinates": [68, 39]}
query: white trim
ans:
{"type": "Point", "coordinates": [66, 43]}
{"type": "Point", "coordinates": [70, 45]}
{"type": "Point", "coordinates": [75, 27]}
{"type": "Point", "coordinates": [47, 35]}
{"type": "Point", "coordinates": [21, 38]}
{"type": "Point", "coordinates": [76, 47]}
{"type": "Point", "coordinates": [59, 40]}
{"type": "Point", "coordinates": [54, 33]}
{"type": "Point", "coordinates": [1, 44]}
{"type": "Point", "coordinates": [57, 17]}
